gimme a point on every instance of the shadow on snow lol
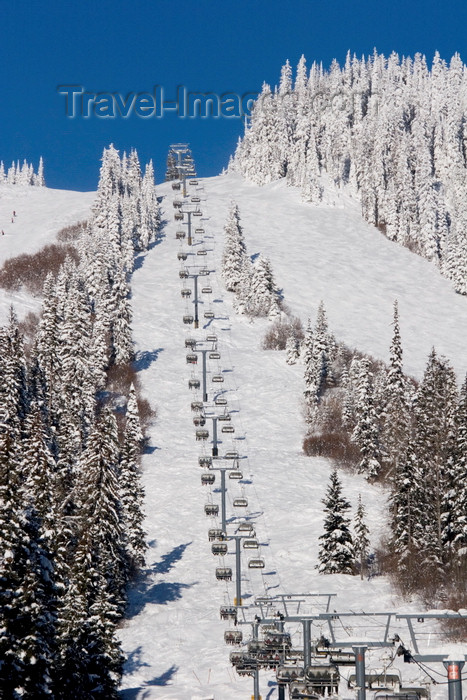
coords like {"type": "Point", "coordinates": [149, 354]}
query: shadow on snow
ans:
{"type": "Point", "coordinates": [144, 358]}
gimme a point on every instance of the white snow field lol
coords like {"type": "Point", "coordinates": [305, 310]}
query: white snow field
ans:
{"type": "Point", "coordinates": [173, 636]}
{"type": "Point", "coordinates": [40, 214]}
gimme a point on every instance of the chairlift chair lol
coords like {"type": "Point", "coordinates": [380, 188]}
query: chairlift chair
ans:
{"type": "Point", "coordinates": [211, 338]}
{"type": "Point", "coordinates": [190, 343]}
{"type": "Point", "coordinates": [215, 533]}
{"type": "Point", "coordinates": [208, 479]}
{"type": "Point", "coordinates": [245, 527]}
{"type": "Point", "coordinates": [179, 235]}
{"type": "Point", "coordinates": [250, 544]}
{"type": "Point", "coordinates": [199, 420]}
{"type": "Point", "coordinates": [192, 359]}
{"type": "Point", "coordinates": [211, 509]}
{"type": "Point", "coordinates": [194, 384]}
{"type": "Point", "coordinates": [228, 612]}
{"type": "Point", "coordinates": [175, 185]}
{"type": "Point", "coordinates": [193, 182]}
{"type": "Point", "coordinates": [214, 355]}
{"type": "Point", "coordinates": [197, 405]}
{"type": "Point", "coordinates": [258, 563]}
{"type": "Point", "coordinates": [188, 319]}
{"type": "Point", "coordinates": [182, 255]}
{"type": "Point", "coordinates": [183, 274]}
{"type": "Point", "coordinates": [205, 461]}
{"type": "Point", "coordinates": [235, 475]}
{"type": "Point", "coordinates": [220, 401]}
{"type": "Point", "coordinates": [177, 204]}
{"type": "Point", "coordinates": [178, 216]}
{"type": "Point", "coordinates": [185, 293]}
{"type": "Point", "coordinates": [202, 434]}
{"type": "Point", "coordinates": [224, 418]}
{"type": "Point", "coordinates": [196, 199]}
{"type": "Point", "coordinates": [202, 251]}
{"type": "Point", "coordinates": [206, 290]}
{"type": "Point", "coordinates": [224, 573]}
{"type": "Point", "coordinates": [217, 378]}
{"type": "Point", "coordinates": [233, 636]}
{"type": "Point", "coordinates": [219, 548]}
{"type": "Point", "coordinates": [196, 213]}
{"type": "Point", "coordinates": [231, 455]}
{"type": "Point", "coordinates": [199, 231]}
{"type": "Point", "coordinates": [203, 272]}
{"type": "Point", "coordinates": [240, 502]}
{"type": "Point", "coordinates": [228, 429]}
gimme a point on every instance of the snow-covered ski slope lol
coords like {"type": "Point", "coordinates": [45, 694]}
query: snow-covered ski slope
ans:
{"type": "Point", "coordinates": [174, 636]}
{"type": "Point", "coordinates": [40, 214]}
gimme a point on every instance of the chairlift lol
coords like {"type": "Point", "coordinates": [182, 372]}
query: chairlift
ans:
{"type": "Point", "coordinates": [224, 573]}
{"type": "Point", "coordinates": [275, 639]}
{"type": "Point", "coordinates": [224, 418]}
{"type": "Point", "coordinates": [199, 420]}
{"type": "Point", "coordinates": [233, 636]}
{"type": "Point", "coordinates": [228, 429]}
{"type": "Point", "coordinates": [194, 384]}
{"type": "Point", "coordinates": [208, 314]}
{"type": "Point", "coordinates": [178, 216]}
{"type": "Point", "coordinates": [190, 343]}
{"type": "Point", "coordinates": [199, 231]}
{"type": "Point", "coordinates": [256, 563]}
{"type": "Point", "coordinates": [250, 544]}
{"type": "Point", "coordinates": [211, 509]}
{"type": "Point", "coordinates": [240, 502]}
{"type": "Point", "coordinates": [205, 461]}
{"type": "Point", "coordinates": [231, 455]}
{"type": "Point", "coordinates": [220, 401]}
{"type": "Point", "coordinates": [219, 548]}
{"type": "Point", "coordinates": [193, 182]}
{"type": "Point", "coordinates": [196, 200]}
{"type": "Point", "coordinates": [196, 213]}
{"type": "Point", "coordinates": [188, 319]}
{"type": "Point", "coordinates": [202, 434]}
{"type": "Point", "coordinates": [206, 290]}
{"type": "Point", "coordinates": [192, 359]}
{"type": "Point", "coordinates": [203, 272]}
{"type": "Point", "coordinates": [179, 235]}
{"type": "Point", "coordinates": [197, 405]}
{"type": "Point", "coordinates": [215, 533]}
{"type": "Point", "coordinates": [235, 475]}
{"type": "Point", "coordinates": [228, 612]}
{"type": "Point", "coordinates": [202, 251]}
{"type": "Point", "coordinates": [286, 674]}
{"type": "Point", "coordinates": [211, 338]}
{"type": "Point", "coordinates": [185, 293]}
{"type": "Point", "coordinates": [183, 274]}
{"type": "Point", "coordinates": [298, 690]}
{"type": "Point", "coordinates": [207, 479]}
{"type": "Point", "coordinates": [177, 204]}
{"type": "Point", "coordinates": [214, 355]}
{"type": "Point", "coordinates": [245, 527]}
{"type": "Point", "coordinates": [175, 185]}
{"type": "Point", "coordinates": [217, 378]}
{"type": "Point", "coordinates": [182, 255]}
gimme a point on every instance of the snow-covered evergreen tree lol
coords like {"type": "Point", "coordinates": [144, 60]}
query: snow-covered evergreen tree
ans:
{"type": "Point", "coordinates": [336, 554]}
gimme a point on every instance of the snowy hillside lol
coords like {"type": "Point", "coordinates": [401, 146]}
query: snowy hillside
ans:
{"type": "Point", "coordinates": [40, 214]}
{"type": "Point", "coordinates": [174, 636]}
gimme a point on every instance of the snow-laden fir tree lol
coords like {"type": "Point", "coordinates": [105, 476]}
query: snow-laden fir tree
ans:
{"type": "Point", "coordinates": [361, 542]}
{"type": "Point", "coordinates": [365, 433]}
{"type": "Point", "coordinates": [336, 553]}
{"type": "Point", "coordinates": [234, 253]}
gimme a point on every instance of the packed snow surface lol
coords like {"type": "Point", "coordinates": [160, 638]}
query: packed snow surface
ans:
{"type": "Point", "coordinates": [173, 635]}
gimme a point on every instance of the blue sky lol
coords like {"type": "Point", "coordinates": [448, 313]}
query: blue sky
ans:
{"type": "Point", "coordinates": [207, 46]}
